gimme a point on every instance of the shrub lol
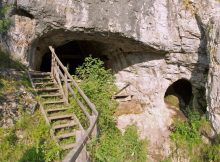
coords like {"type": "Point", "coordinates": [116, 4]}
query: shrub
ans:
{"type": "Point", "coordinates": [4, 22]}
{"type": "Point", "coordinates": [188, 143]}
{"type": "Point", "coordinates": [98, 85]}
{"type": "Point", "coordinates": [112, 146]}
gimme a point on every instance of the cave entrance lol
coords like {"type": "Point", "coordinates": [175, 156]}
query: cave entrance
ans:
{"type": "Point", "coordinates": [179, 94]}
{"type": "Point", "coordinates": [72, 54]}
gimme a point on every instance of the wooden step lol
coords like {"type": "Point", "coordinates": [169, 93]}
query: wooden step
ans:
{"type": "Point", "coordinates": [42, 79]}
{"type": "Point", "coordinates": [53, 102]}
{"type": "Point", "coordinates": [40, 74]}
{"type": "Point", "coordinates": [66, 135]}
{"type": "Point", "coordinates": [51, 95]}
{"type": "Point", "coordinates": [44, 83]}
{"type": "Point", "coordinates": [61, 126]}
{"type": "Point", "coordinates": [56, 110]}
{"type": "Point", "coordinates": [60, 117]}
{"type": "Point", "coordinates": [68, 146]}
{"type": "Point", "coordinates": [47, 89]}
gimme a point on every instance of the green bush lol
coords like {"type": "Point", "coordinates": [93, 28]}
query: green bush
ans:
{"type": "Point", "coordinates": [98, 85]}
{"type": "Point", "coordinates": [112, 146]}
{"type": "Point", "coordinates": [4, 22]}
{"type": "Point", "coordinates": [188, 143]}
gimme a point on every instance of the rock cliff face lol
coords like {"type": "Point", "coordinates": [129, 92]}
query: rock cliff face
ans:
{"type": "Point", "coordinates": [149, 44]}
{"type": "Point", "coordinates": [213, 86]}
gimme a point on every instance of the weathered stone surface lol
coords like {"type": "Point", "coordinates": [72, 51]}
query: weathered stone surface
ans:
{"type": "Point", "coordinates": [129, 107]}
{"type": "Point", "coordinates": [12, 103]}
{"type": "Point", "coordinates": [213, 86]}
{"type": "Point", "coordinates": [149, 43]}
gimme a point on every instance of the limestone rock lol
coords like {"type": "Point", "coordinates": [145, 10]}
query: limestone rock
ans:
{"type": "Point", "coordinates": [16, 101]}
{"type": "Point", "coordinates": [129, 107]}
{"type": "Point", "coordinates": [213, 86]}
{"type": "Point", "coordinates": [148, 43]}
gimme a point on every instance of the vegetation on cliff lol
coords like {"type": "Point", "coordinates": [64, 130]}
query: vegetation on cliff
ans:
{"type": "Point", "coordinates": [28, 139]}
{"type": "Point", "coordinates": [192, 139]}
{"type": "Point", "coordinates": [112, 145]}
{"type": "Point", "coordinates": [4, 22]}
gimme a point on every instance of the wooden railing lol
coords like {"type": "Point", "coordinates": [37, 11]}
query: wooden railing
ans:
{"type": "Point", "coordinates": [69, 87]}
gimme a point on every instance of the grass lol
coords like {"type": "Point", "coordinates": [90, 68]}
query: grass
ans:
{"type": "Point", "coordinates": [115, 147]}
{"type": "Point", "coordinates": [188, 143]}
{"type": "Point", "coordinates": [29, 139]}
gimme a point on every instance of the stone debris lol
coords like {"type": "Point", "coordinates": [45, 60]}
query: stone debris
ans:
{"type": "Point", "coordinates": [12, 104]}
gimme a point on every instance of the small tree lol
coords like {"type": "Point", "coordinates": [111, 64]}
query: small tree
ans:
{"type": "Point", "coordinates": [4, 22]}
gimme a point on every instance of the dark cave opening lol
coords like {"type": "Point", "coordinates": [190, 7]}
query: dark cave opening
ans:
{"type": "Point", "coordinates": [72, 54]}
{"type": "Point", "coordinates": [182, 91]}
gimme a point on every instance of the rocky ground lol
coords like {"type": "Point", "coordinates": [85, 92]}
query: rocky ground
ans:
{"type": "Point", "coordinates": [15, 97]}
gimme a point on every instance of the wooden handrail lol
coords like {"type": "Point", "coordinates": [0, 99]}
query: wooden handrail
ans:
{"type": "Point", "coordinates": [60, 71]}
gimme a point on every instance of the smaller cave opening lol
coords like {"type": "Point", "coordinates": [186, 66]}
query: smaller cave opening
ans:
{"type": "Point", "coordinates": [179, 94]}
{"type": "Point", "coordinates": [73, 54]}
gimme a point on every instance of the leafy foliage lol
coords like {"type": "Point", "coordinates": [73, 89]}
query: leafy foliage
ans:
{"type": "Point", "coordinates": [112, 146]}
{"type": "Point", "coordinates": [4, 22]}
{"type": "Point", "coordinates": [98, 85]}
{"type": "Point", "coordinates": [188, 143]}
{"type": "Point", "coordinates": [28, 140]}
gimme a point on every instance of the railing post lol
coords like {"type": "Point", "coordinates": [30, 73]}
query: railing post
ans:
{"type": "Point", "coordinates": [79, 154]}
{"type": "Point", "coordinates": [66, 87]}
{"type": "Point", "coordinates": [95, 129]}
{"type": "Point", "coordinates": [52, 64]}
{"type": "Point", "coordinates": [83, 156]}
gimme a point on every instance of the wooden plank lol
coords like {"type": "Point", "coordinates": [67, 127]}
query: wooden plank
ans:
{"type": "Point", "coordinates": [51, 95]}
{"type": "Point", "coordinates": [66, 135]}
{"type": "Point", "coordinates": [56, 110]}
{"type": "Point", "coordinates": [58, 71]}
{"type": "Point", "coordinates": [43, 79]}
{"type": "Point", "coordinates": [40, 74]}
{"type": "Point", "coordinates": [75, 152]}
{"type": "Point", "coordinates": [79, 103]}
{"type": "Point", "coordinates": [91, 105]}
{"type": "Point", "coordinates": [83, 156]}
{"type": "Point", "coordinates": [44, 83]}
{"type": "Point", "coordinates": [59, 117]}
{"type": "Point", "coordinates": [53, 102]}
{"type": "Point", "coordinates": [64, 126]}
{"type": "Point", "coordinates": [46, 89]}
{"type": "Point", "coordinates": [66, 88]}
{"type": "Point", "coordinates": [68, 146]}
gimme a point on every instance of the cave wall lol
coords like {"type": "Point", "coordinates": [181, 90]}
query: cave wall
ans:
{"type": "Point", "coordinates": [213, 86]}
{"type": "Point", "coordinates": [150, 44]}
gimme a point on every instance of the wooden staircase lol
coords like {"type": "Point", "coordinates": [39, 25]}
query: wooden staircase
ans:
{"type": "Point", "coordinates": [57, 113]}
{"type": "Point", "coordinates": [54, 89]}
